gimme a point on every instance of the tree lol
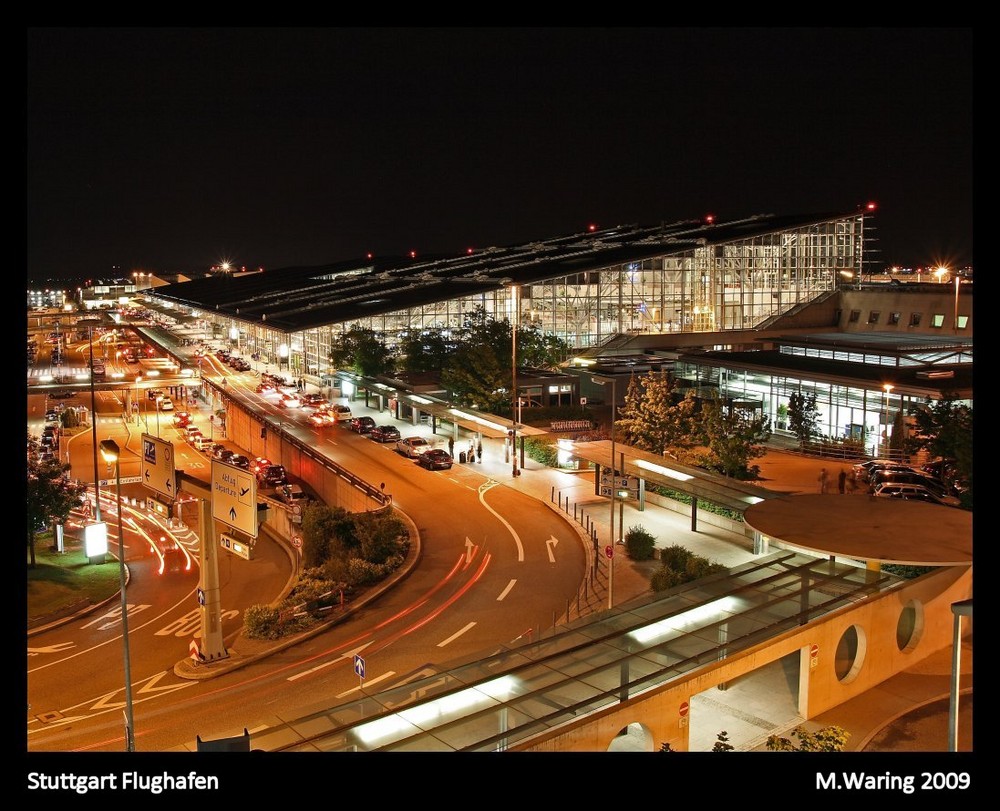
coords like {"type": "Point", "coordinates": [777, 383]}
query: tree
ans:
{"type": "Point", "coordinates": [51, 494]}
{"type": "Point", "coordinates": [828, 739]}
{"type": "Point", "coordinates": [652, 419]}
{"type": "Point", "coordinates": [944, 428]}
{"type": "Point", "coordinates": [735, 436]}
{"type": "Point", "coordinates": [803, 416]}
{"type": "Point", "coordinates": [362, 351]}
{"type": "Point", "coordinates": [424, 351]}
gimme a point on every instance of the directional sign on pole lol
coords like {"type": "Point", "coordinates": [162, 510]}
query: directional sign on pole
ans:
{"type": "Point", "coordinates": [359, 666]}
{"type": "Point", "coordinates": [158, 466]}
{"type": "Point", "coordinates": [234, 497]}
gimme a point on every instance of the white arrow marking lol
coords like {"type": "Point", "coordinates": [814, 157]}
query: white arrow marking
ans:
{"type": "Point", "coordinates": [51, 648]}
{"type": "Point", "coordinates": [455, 635]}
{"type": "Point", "coordinates": [150, 686]}
{"type": "Point", "coordinates": [550, 547]}
{"type": "Point", "coordinates": [468, 549]}
{"type": "Point", "coordinates": [349, 655]}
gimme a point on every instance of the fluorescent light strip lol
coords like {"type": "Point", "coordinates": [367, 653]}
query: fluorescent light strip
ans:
{"type": "Point", "coordinates": [673, 474]}
{"type": "Point", "coordinates": [699, 614]}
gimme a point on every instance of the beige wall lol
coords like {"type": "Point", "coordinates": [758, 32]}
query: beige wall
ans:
{"type": "Point", "coordinates": [820, 688]}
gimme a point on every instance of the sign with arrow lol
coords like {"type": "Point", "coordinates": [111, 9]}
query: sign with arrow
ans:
{"type": "Point", "coordinates": [234, 497]}
{"type": "Point", "coordinates": [157, 471]}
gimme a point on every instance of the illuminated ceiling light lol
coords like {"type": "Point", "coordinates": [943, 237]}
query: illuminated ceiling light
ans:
{"type": "Point", "coordinates": [665, 471]}
{"type": "Point", "coordinates": [683, 621]}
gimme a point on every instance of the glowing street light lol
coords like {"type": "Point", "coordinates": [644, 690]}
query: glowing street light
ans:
{"type": "Point", "coordinates": [888, 387]}
{"type": "Point", "coordinates": [614, 399]}
{"type": "Point", "coordinates": [111, 453]}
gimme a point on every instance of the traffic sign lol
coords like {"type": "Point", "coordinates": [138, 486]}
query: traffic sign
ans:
{"type": "Point", "coordinates": [158, 466]}
{"type": "Point", "coordinates": [609, 551]}
{"type": "Point", "coordinates": [236, 547]}
{"type": "Point", "coordinates": [359, 666]}
{"type": "Point", "coordinates": [683, 709]}
{"type": "Point", "coordinates": [234, 497]}
{"type": "Point", "coordinates": [201, 597]}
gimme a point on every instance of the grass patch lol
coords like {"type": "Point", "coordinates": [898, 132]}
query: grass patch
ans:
{"type": "Point", "coordinates": [63, 581]}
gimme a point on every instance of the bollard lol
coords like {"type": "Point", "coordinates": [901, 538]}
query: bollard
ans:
{"type": "Point", "coordinates": [552, 493]}
{"type": "Point", "coordinates": [574, 512]}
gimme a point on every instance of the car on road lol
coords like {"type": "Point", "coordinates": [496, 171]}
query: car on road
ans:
{"type": "Point", "coordinates": [61, 395]}
{"type": "Point", "coordinates": [362, 425]}
{"type": "Point", "coordinates": [289, 401]}
{"type": "Point", "coordinates": [412, 446]}
{"type": "Point", "coordinates": [292, 494]}
{"type": "Point", "coordinates": [384, 433]}
{"type": "Point", "coordinates": [191, 434]}
{"type": "Point", "coordinates": [321, 419]}
{"type": "Point", "coordinates": [260, 464]}
{"type": "Point", "coordinates": [154, 394]}
{"type": "Point", "coordinates": [315, 402]}
{"type": "Point", "coordinates": [166, 404]}
{"type": "Point", "coordinates": [182, 419]}
{"type": "Point", "coordinates": [213, 449]}
{"type": "Point", "coordinates": [223, 454]}
{"type": "Point", "coordinates": [915, 492]}
{"type": "Point", "coordinates": [239, 460]}
{"type": "Point", "coordinates": [267, 390]}
{"type": "Point", "coordinates": [435, 459]}
{"type": "Point", "coordinates": [273, 476]}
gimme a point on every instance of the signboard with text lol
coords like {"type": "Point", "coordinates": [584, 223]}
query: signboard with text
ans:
{"type": "Point", "coordinates": [157, 471]}
{"type": "Point", "coordinates": [234, 497]}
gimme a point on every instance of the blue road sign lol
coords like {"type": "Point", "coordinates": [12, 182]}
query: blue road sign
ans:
{"type": "Point", "coordinates": [359, 666]}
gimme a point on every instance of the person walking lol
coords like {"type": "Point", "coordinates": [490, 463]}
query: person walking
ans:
{"type": "Point", "coordinates": [479, 452]}
{"type": "Point", "coordinates": [824, 480]}
{"type": "Point", "coordinates": [451, 446]}
{"type": "Point", "coordinates": [842, 481]}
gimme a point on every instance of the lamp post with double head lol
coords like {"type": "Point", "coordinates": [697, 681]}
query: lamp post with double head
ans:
{"type": "Point", "coordinates": [888, 387]}
{"type": "Point", "coordinates": [111, 453]}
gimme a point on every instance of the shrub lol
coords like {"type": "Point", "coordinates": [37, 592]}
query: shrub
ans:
{"type": "Point", "coordinates": [679, 566]}
{"type": "Point", "coordinates": [639, 543]}
{"type": "Point", "coordinates": [262, 622]}
{"type": "Point", "coordinates": [543, 452]}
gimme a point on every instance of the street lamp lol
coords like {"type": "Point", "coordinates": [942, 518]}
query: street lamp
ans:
{"type": "Point", "coordinates": [958, 280]}
{"type": "Point", "coordinates": [960, 609]}
{"type": "Point", "coordinates": [93, 424]}
{"type": "Point", "coordinates": [138, 380]}
{"type": "Point", "coordinates": [614, 399]}
{"type": "Point", "coordinates": [515, 400]}
{"type": "Point", "coordinates": [885, 431]}
{"type": "Point", "coordinates": [111, 453]}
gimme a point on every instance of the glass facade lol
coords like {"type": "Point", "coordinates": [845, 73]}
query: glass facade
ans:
{"type": "Point", "coordinates": [734, 285]}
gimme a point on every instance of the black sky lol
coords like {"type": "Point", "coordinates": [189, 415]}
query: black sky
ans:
{"type": "Point", "coordinates": [172, 149]}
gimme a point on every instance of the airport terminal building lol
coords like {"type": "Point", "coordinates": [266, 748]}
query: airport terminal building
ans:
{"type": "Point", "coordinates": [757, 308]}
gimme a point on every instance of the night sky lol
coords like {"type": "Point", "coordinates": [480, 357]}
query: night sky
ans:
{"type": "Point", "coordinates": [171, 150]}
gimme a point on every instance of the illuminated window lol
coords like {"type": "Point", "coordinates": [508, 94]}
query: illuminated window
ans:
{"type": "Point", "coordinates": [937, 320]}
{"type": "Point", "coordinates": [915, 319]}
{"type": "Point", "coordinates": [873, 316]}
{"type": "Point", "coordinates": [963, 321]}
{"type": "Point", "coordinates": [893, 319]}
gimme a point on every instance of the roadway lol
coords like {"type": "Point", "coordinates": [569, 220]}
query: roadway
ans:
{"type": "Point", "coordinates": [494, 563]}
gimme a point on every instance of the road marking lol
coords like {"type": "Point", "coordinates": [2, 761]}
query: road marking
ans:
{"type": "Point", "coordinates": [350, 653]}
{"type": "Point", "coordinates": [502, 520]}
{"type": "Point", "coordinates": [369, 682]}
{"type": "Point", "coordinates": [455, 635]}
{"type": "Point", "coordinates": [506, 591]}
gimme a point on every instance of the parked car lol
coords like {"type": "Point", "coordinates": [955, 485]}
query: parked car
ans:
{"type": "Point", "coordinates": [384, 433]}
{"type": "Point", "coordinates": [362, 425]}
{"type": "Point", "coordinates": [292, 494]}
{"type": "Point", "coordinates": [341, 413]}
{"type": "Point", "coordinates": [911, 476]}
{"type": "Point", "coordinates": [915, 492]}
{"type": "Point", "coordinates": [863, 470]}
{"type": "Point", "coordinates": [412, 446]}
{"type": "Point", "coordinates": [435, 459]}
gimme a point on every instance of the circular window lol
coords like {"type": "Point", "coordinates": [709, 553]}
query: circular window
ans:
{"type": "Point", "coordinates": [850, 656]}
{"type": "Point", "coordinates": [910, 626]}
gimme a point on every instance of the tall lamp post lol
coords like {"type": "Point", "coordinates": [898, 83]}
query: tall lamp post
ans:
{"type": "Point", "coordinates": [515, 401]}
{"type": "Point", "coordinates": [601, 380]}
{"type": "Point", "coordinates": [93, 424]}
{"type": "Point", "coordinates": [138, 380]}
{"type": "Point", "coordinates": [885, 436]}
{"type": "Point", "coordinates": [958, 280]}
{"type": "Point", "coordinates": [111, 453]}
